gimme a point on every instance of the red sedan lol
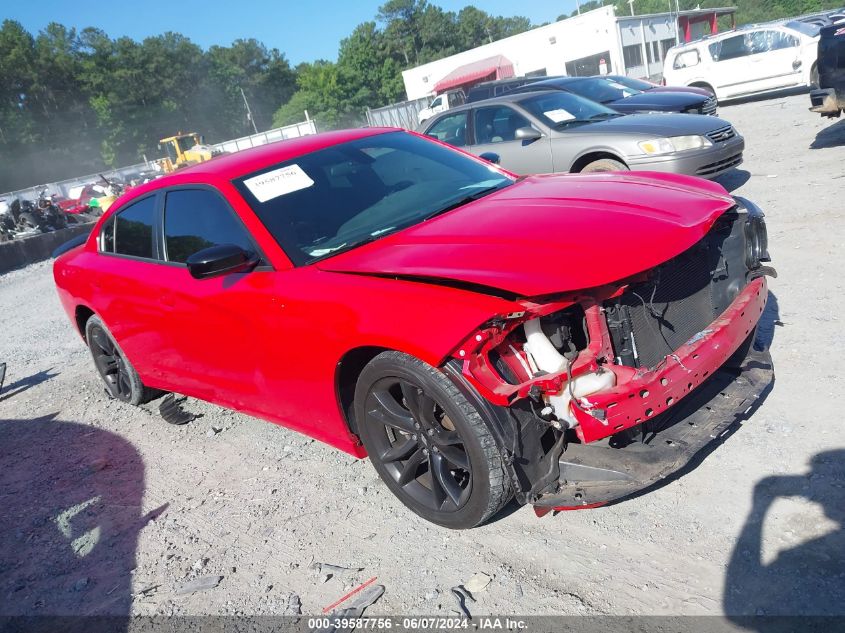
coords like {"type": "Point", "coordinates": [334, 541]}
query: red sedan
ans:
{"type": "Point", "coordinates": [565, 339]}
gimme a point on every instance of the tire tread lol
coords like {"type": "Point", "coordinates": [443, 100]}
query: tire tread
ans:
{"type": "Point", "coordinates": [501, 490]}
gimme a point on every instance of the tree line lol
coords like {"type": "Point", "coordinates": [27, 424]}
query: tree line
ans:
{"type": "Point", "coordinates": [75, 102]}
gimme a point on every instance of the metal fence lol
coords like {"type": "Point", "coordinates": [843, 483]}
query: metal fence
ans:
{"type": "Point", "coordinates": [402, 114]}
{"type": "Point", "coordinates": [63, 187]}
{"type": "Point", "coordinates": [262, 138]}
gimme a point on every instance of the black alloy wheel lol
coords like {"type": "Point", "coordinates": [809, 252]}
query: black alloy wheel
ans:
{"type": "Point", "coordinates": [419, 445]}
{"type": "Point", "coordinates": [121, 380]}
{"type": "Point", "coordinates": [111, 365]}
{"type": "Point", "coordinates": [428, 443]}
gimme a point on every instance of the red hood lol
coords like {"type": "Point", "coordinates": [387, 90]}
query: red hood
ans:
{"type": "Point", "coordinates": [550, 234]}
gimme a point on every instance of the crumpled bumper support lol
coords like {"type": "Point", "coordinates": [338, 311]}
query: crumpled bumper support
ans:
{"type": "Point", "coordinates": [600, 472]}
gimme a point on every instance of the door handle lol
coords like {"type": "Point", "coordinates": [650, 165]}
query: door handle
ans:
{"type": "Point", "coordinates": [168, 300]}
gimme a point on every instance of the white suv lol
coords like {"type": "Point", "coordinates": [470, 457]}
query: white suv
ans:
{"type": "Point", "coordinates": [747, 61]}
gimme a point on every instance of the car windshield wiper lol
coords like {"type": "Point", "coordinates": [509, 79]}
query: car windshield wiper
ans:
{"type": "Point", "coordinates": [564, 124]}
{"type": "Point", "coordinates": [319, 254]}
{"type": "Point", "coordinates": [462, 201]}
{"type": "Point", "coordinates": [605, 115]}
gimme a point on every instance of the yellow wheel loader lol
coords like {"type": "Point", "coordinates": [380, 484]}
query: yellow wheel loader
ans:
{"type": "Point", "coordinates": [183, 149]}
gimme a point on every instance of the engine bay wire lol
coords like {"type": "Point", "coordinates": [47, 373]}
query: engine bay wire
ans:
{"type": "Point", "coordinates": [570, 386]}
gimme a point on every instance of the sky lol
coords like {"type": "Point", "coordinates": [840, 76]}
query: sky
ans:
{"type": "Point", "coordinates": [303, 31]}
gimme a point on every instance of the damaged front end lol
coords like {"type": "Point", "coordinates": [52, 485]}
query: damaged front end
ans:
{"type": "Point", "coordinates": [598, 394]}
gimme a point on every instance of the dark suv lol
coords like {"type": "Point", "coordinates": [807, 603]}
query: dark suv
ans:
{"type": "Point", "coordinates": [829, 98]}
{"type": "Point", "coordinates": [490, 89]}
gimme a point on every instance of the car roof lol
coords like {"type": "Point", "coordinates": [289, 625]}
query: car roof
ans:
{"type": "Point", "coordinates": [559, 81]}
{"type": "Point", "coordinates": [508, 97]}
{"type": "Point", "coordinates": [499, 82]}
{"type": "Point", "coordinates": [231, 166]}
{"type": "Point", "coordinates": [714, 37]}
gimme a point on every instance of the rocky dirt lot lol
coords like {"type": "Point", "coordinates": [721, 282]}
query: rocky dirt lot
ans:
{"type": "Point", "coordinates": [105, 508]}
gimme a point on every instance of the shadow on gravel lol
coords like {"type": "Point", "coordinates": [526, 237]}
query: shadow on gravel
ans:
{"type": "Point", "coordinates": [808, 579]}
{"type": "Point", "coordinates": [71, 500]}
{"type": "Point", "coordinates": [734, 179]}
{"type": "Point", "coordinates": [831, 136]}
{"type": "Point", "coordinates": [769, 320]}
{"type": "Point", "coordinates": [22, 384]}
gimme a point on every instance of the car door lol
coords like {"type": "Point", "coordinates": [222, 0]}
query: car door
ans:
{"type": "Point", "coordinates": [732, 74]}
{"type": "Point", "coordinates": [215, 330]}
{"type": "Point", "coordinates": [125, 288]}
{"type": "Point", "coordinates": [775, 56]}
{"type": "Point", "coordinates": [450, 128]}
{"type": "Point", "coordinates": [494, 130]}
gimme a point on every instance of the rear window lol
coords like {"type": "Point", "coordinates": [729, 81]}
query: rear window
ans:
{"type": "Point", "coordinates": [130, 232]}
{"type": "Point", "coordinates": [686, 59]}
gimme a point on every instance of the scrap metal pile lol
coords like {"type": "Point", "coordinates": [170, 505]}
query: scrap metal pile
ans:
{"type": "Point", "coordinates": [21, 218]}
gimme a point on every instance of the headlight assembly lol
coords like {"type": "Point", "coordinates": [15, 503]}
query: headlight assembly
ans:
{"type": "Point", "coordinates": [673, 144]}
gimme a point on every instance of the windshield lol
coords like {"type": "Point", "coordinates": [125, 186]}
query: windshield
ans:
{"type": "Point", "coordinates": [636, 84]}
{"type": "Point", "coordinates": [559, 109]}
{"type": "Point", "coordinates": [334, 199]}
{"type": "Point", "coordinates": [601, 89]}
{"type": "Point", "coordinates": [186, 142]}
{"type": "Point", "coordinates": [807, 28]}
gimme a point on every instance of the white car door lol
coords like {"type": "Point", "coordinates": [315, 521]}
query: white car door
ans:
{"type": "Point", "coordinates": [775, 59]}
{"type": "Point", "coordinates": [731, 73]}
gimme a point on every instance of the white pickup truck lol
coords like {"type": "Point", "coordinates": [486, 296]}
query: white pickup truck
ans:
{"type": "Point", "coordinates": [443, 101]}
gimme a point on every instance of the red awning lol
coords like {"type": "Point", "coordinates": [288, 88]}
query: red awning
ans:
{"type": "Point", "coordinates": [498, 67]}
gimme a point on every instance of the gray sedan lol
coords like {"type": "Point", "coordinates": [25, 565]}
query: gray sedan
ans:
{"type": "Point", "coordinates": [555, 131]}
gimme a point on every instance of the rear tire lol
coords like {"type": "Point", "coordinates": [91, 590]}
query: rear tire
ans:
{"type": "Point", "coordinates": [119, 376]}
{"type": "Point", "coordinates": [429, 445]}
{"type": "Point", "coordinates": [604, 164]}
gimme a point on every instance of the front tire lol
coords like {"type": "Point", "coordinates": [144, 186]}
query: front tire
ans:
{"type": "Point", "coordinates": [604, 164]}
{"type": "Point", "coordinates": [119, 376]}
{"type": "Point", "coordinates": [428, 443]}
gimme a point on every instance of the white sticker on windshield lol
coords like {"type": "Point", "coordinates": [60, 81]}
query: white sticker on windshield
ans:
{"type": "Point", "coordinates": [625, 89]}
{"type": "Point", "coordinates": [559, 115]}
{"type": "Point", "coordinates": [278, 182]}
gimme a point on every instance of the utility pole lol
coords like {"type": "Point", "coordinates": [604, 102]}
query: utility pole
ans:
{"type": "Point", "coordinates": [631, 4]}
{"type": "Point", "coordinates": [248, 111]}
{"type": "Point", "coordinates": [578, 6]}
{"type": "Point", "coordinates": [677, 18]}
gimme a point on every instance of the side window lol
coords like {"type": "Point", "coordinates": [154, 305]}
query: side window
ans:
{"type": "Point", "coordinates": [436, 102]}
{"type": "Point", "coordinates": [195, 219]}
{"type": "Point", "coordinates": [760, 41]}
{"type": "Point", "coordinates": [497, 124]}
{"type": "Point", "coordinates": [450, 129]}
{"type": "Point", "coordinates": [107, 236]}
{"type": "Point", "coordinates": [686, 59]}
{"type": "Point", "coordinates": [133, 230]}
{"type": "Point", "coordinates": [782, 40]}
{"type": "Point", "coordinates": [730, 48]}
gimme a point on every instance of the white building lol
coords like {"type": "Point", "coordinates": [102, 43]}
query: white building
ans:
{"type": "Point", "coordinates": [595, 42]}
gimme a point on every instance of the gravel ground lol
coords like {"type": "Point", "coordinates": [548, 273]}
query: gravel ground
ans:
{"type": "Point", "coordinates": [104, 508]}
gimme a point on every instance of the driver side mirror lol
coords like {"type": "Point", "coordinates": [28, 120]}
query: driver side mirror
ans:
{"type": "Point", "coordinates": [527, 133]}
{"type": "Point", "coordinates": [220, 260]}
{"type": "Point", "coordinates": [491, 157]}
